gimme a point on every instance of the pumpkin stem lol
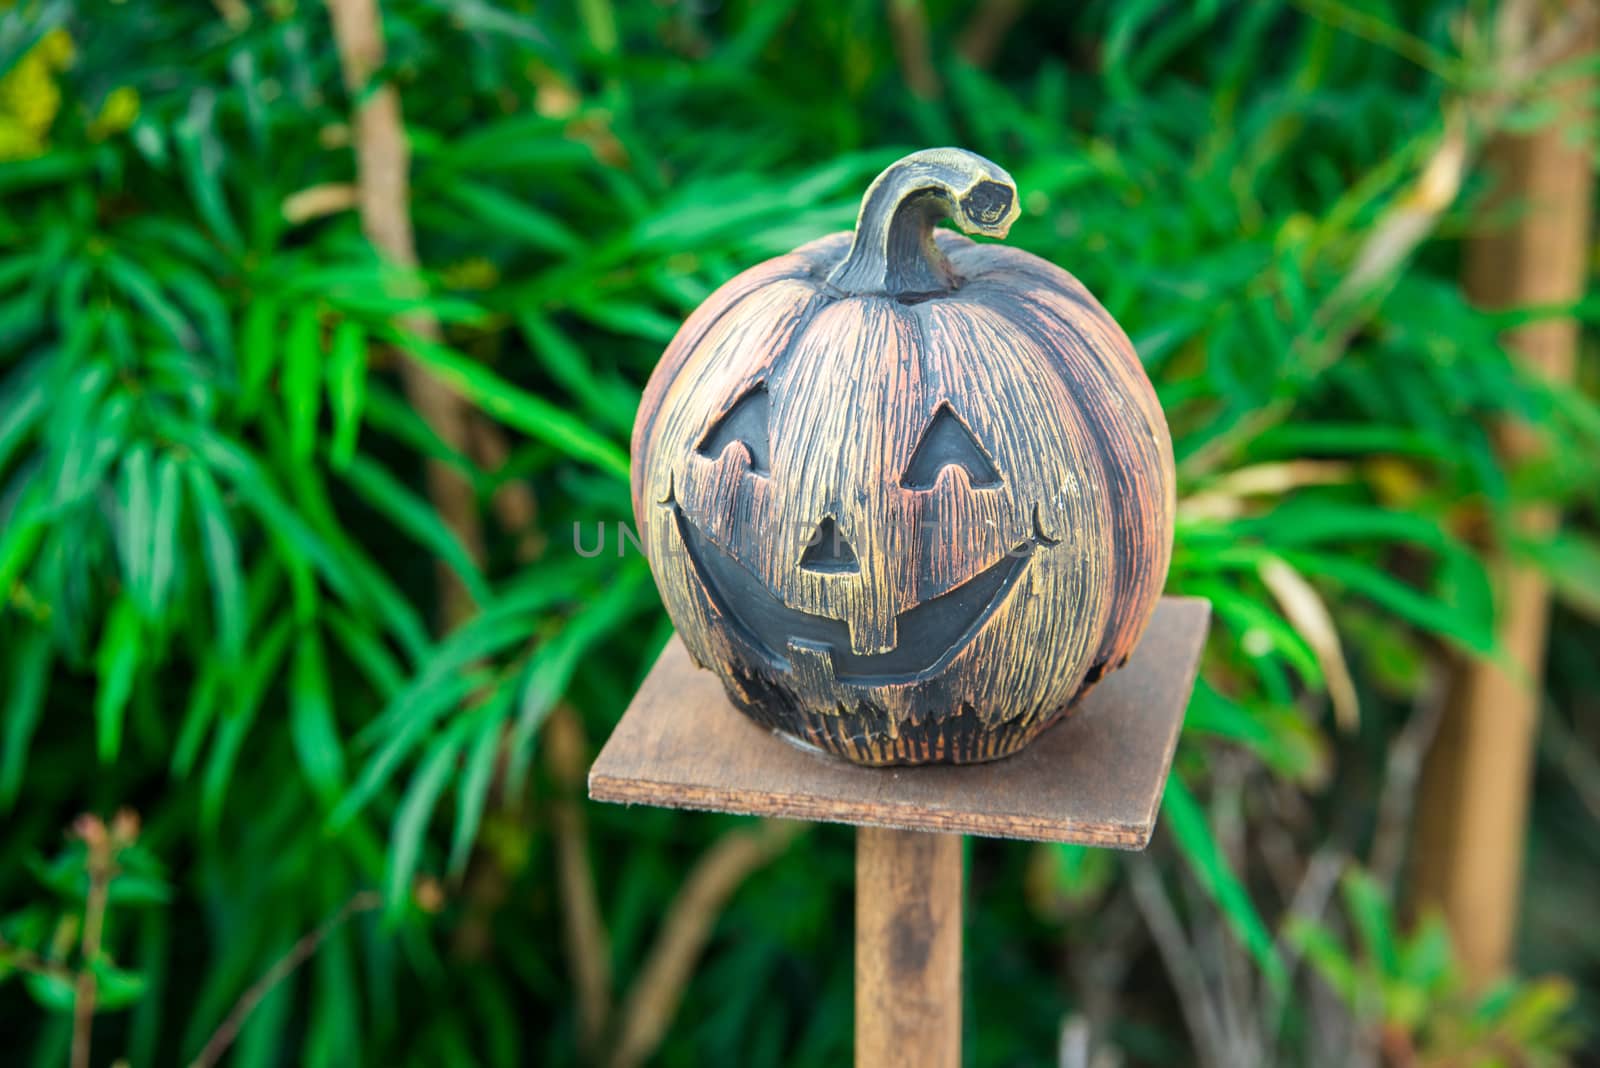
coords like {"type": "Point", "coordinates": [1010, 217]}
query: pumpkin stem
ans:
{"type": "Point", "coordinates": [893, 252]}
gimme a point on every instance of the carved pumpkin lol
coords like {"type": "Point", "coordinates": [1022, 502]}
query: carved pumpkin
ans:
{"type": "Point", "coordinates": [910, 496]}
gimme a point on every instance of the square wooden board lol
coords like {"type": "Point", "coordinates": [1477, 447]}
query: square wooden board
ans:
{"type": "Point", "coordinates": [1094, 779]}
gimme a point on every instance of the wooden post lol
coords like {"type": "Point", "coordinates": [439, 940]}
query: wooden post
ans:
{"type": "Point", "coordinates": [1474, 802]}
{"type": "Point", "coordinates": [1094, 780]}
{"type": "Point", "coordinates": [908, 949]}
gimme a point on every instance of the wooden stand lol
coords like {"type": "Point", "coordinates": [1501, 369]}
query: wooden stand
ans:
{"type": "Point", "coordinates": [908, 948]}
{"type": "Point", "coordinates": [1094, 780]}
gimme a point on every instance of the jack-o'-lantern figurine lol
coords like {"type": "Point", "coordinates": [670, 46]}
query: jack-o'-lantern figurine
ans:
{"type": "Point", "coordinates": [910, 496]}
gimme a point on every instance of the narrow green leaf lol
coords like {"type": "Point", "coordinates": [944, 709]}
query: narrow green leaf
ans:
{"type": "Point", "coordinates": [1249, 614]}
{"type": "Point", "coordinates": [1299, 439]}
{"type": "Point", "coordinates": [208, 308]}
{"type": "Point", "coordinates": [631, 319]}
{"type": "Point", "coordinates": [302, 380]}
{"type": "Point", "coordinates": [391, 609]}
{"type": "Point", "coordinates": [202, 156]}
{"type": "Point", "coordinates": [1282, 738]}
{"type": "Point", "coordinates": [145, 293]}
{"type": "Point", "coordinates": [423, 706]}
{"type": "Point", "coordinates": [53, 992]}
{"type": "Point", "coordinates": [203, 704]}
{"type": "Point", "coordinates": [299, 545]}
{"type": "Point", "coordinates": [575, 370]}
{"type": "Point", "coordinates": [1571, 561]}
{"type": "Point", "coordinates": [512, 217]}
{"type": "Point", "coordinates": [1373, 918]}
{"type": "Point", "coordinates": [312, 727]}
{"type": "Point", "coordinates": [20, 536]}
{"type": "Point", "coordinates": [347, 389]}
{"type": "Point", "coordinates": [552, 664]}
{"type": "Point", "coordinates": [1307, 522]}
{"type": "Point", "coordinates": [411, 820]}
{"type": "Point", "coordinates": [117, 667]}
{"type": "Point", "coordinates": [338, 1006]}
{"type": "Point", "coordinates": [376, 662]}
{"type": "Point", "coordinates": [417, 518]}
{"type": "Point", "coordinates": [116, 988]}
{"type": "Point", "coordinates": [260, 672]}
{"type": "Point", "coordinates": [22, 406]}
{"type": "Point", "coordinates": [394, 416]}
{"type": "Point", "coordinates": [1329, 958]}
{"type": "Point", "coordinates": [165, 533]}
{"type": "Point", "coordinates": [138, 521]}
{"type": "Point", "coordinates": [531, 414]}
{"type": "Point", "coordinates": [222, 559]}
{"type": "Point", "coordinates": [1471, 630]}
{"type": "Point", "coordinates": [528, 142]}
{"type": "Point", "coordinates": [1426, 959]}
{"type": "Point", "coordinates": [258, 350]}
{"type": "Point", "coordinates": [371, 290]}
{"type": "Point", "coordinates": [28, 664]}
{"type": "Point", "coordinates": [478, 775]}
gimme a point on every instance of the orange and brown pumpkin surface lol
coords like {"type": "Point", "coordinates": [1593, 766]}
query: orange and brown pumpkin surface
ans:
{"type": "Point", "coordinates": [909, 495]}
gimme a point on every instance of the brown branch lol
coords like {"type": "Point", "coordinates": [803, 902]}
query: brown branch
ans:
{"type": "Point", "coordinates": [1306, 905]}
{"type": "Point", "coordinates": [302, 951]}
{"type": "Point", "coordinates": [383, 193]}
{"type": "Point", "coordinates": [588, 945]}
{"type": "Point", "coordinates": [26, 960]}
{"type": "Point", "coordinates": [655, 994]}
{"type": "Point", "coordinates": [513, 502]}
{"type": "Point", "coordinates": [102, 848]}
{"type": "Point", "coordinates": [908, 26]}
{"type": "Point", "coordinates": [986, 30]}
{"type": "Point", "coordinates": [1182, 962]}
{"type": "Point", "coordinates": [233, 12]}
{"type": "Point", "coordinates": [313, 202]}
{"type": "Point", "coordinates": [1099, 967]}
{"type": "Point", "coordinates": [1397, 801]}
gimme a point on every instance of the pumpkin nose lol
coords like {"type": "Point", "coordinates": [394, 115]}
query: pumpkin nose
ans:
{"type": "Point", "coordinates": [850, 593]}
{"type": "Point", "coordinates": [828, 552]}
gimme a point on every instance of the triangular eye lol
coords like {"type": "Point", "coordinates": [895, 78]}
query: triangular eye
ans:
{"type": "Point", "coordinates": [948, 441]}
{"type": "Point", "coordinates": [745, 422]}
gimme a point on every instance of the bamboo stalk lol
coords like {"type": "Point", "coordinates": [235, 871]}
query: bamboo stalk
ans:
{"type": "Point", "coordinates": [1473, 812]}
{"type": "Point", "coordinates": [583, 928]}
{"type": "Point", "coordinates": [383, 194]}
{"type": "Point", "coordinates": [685, 929]}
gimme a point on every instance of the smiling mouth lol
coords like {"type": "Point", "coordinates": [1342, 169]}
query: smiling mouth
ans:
{"type": "Point", "coordinates": [929, 634]}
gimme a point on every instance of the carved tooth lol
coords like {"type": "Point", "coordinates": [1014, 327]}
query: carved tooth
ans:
{"type": "Point", "coordinates": [811, 664]}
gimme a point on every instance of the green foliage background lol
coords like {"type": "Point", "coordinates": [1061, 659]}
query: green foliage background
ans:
{"type": "Point", "coordinates": [217, 553]}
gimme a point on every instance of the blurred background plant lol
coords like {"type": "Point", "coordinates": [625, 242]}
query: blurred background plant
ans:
{"type": "Point", "coordinates": [298, 415]}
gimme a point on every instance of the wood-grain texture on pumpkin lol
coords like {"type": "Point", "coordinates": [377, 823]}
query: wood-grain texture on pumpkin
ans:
{"type": "Point", "coordinates": [1075, 527]}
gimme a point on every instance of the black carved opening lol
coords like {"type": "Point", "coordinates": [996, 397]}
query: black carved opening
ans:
{"type": "Point", "coordinates": [745, 422]}
{"type": "Point", "coordinates": [988, 203]}
{"type": "Point", "coordinates": [930, 634]}
{"type": "Point", "coordinates": [828, 551]}
{"type": "Point", "coordinates": [948, 441]}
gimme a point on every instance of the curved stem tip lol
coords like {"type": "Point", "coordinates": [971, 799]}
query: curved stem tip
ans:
{"type": "Point", "coordinates": [893, 253]}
